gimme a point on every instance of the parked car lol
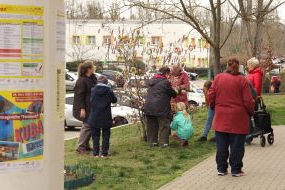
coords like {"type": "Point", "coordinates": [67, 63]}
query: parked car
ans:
{"type": "Point", "coordinates": [115, 76]}
{"type": "Point", "coordinates": [193, 76]}
{"type": "Point", "coordinates": [121, 114]}
{"type": "Point", "coordinates": [70, 80]}
{"type": "Point", "coordinates": [111, 83]}
{"type": "Point", "coordinates": [195, 96]}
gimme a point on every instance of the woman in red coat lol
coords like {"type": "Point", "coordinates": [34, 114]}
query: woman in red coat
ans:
{"type": "Point", "coordinates": [180, 83]}
{"type": "Point", "coordinates": [255, 74]}
{"type": "Point", "coordinates": [231, 97]}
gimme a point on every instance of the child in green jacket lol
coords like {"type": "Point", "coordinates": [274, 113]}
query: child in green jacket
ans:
{"type": "Point", "coordinates": [182, 124]}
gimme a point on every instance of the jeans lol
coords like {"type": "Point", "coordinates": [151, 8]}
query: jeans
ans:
{"type": "Point", "coordinates": [209, 121]}
{"type": "Point", "coordinates": [235, 142]}
{"type": "Point", "coordinates": [96, 133]}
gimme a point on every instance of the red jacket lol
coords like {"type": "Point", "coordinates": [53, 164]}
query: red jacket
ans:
{"type": "Point", "coordinates": [181, 82]}
{"type": "Point", "coordinates": [255, 77]}
{"type": "Point", "coordinates": [231, 97]}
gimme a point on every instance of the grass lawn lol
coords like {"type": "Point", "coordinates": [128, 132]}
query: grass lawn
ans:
{"type": "Point", "coordinates": [136, 165]}
{"type": "Point", "coordinates": [276, 106]}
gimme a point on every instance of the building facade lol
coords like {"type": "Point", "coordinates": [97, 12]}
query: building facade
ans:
{"type": "Point", "coordinates": [158, 43]}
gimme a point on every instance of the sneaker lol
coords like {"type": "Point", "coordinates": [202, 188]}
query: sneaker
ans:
{"type": "Point", "coordinates": [96, 156]}
{"type": "Point", "coordinates": [81, 151]}
{"type": "Point", "coordinates": [104, 156]}
{"type": "Point", "coordinates": [239, 174]}
{"type": "Point", "coordinates": [184, 143]}
{"type": "Point", "coordinates": [89, 149]}
{"type": "Point", "coordinates": [213, 139]}
{"type": "Point", "coordinates": [202, 139]}
{"type": "Point", "coordinates": [154, 144]}
{"type": "Point", "coordinates": [222, 173]}
{"type": "Point", "coordinates": [165, 145]}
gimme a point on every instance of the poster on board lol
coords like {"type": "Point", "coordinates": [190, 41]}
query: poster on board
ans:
{"type": "Point", "coordinates": [21, 130]}
{"type": "Point", "coordinates": [21, 84]}
{"type": "Point", "coordinates": [21, 43]}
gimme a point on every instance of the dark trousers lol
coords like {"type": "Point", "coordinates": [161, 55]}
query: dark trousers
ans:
{"type": "Point", "coordinates": [96, 133]}
{"type": "Point", "coordinates": [235, 142]}
{"type": "Point", "coordinates": [158, 126]}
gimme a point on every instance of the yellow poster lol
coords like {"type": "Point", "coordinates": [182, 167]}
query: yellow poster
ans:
{"type": "Point", "coordinates": [21, 129]}
{"type": "Point", "coordinates": [21, 42]}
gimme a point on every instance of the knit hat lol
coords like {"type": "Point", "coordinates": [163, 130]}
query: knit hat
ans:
{"type": "Point", "coordinates": [102, 79]}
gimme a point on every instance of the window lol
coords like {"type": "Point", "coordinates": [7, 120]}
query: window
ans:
{"type": "Point", "coordinates": [156, 40]}
{"type": "Point", "coordinates": [193, 42]}
{"type": "Point", "coordinates": [141, 40]}
{"type": "Point", "coordinates": [76, 39]}
{"type": "Point", "coordinates": [68, 77]}
{"type": "Point", "coordinates": [199, 43]}
{"type": "Point", "coordinates": [200, 62]}
{"type": "Point", "coordinates": [91, 40]}
{"type": "Point", "coordinates": [107, 40]}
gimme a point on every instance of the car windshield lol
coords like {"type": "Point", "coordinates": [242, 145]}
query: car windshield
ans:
{"type": "Point", "coordinates": [75, 77]}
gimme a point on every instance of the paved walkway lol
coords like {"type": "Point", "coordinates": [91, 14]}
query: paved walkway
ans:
{"type": "Point", "coordinates": [265, 168]}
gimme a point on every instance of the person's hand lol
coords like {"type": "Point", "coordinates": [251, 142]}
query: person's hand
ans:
{"type": "Point", "coordinates": [82, 113]}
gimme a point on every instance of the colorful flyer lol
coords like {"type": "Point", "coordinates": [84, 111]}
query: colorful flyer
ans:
{"type": "Point", "coordinates": [21, 130]}
{"type": "Point", "coordinates": [21, 42]}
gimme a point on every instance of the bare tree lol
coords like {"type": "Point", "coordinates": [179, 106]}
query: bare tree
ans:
{"type": "Point", "coordinates": [136, 78]}
{"type": "Point", "coordinates": [253, 15]}
{"type": "Point", "coordinates": [94, 10]}
{"type": "Point", "coordinates": [188, 11]}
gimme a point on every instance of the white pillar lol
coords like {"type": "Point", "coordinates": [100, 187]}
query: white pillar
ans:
{"type": "Point", "coordinates": [49, 176]}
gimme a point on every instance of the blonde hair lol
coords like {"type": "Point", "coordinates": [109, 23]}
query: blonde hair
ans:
{"type": "Point", "coordinates": [252, 63]}
{"type": "Point", "coordinates": [181, 107]}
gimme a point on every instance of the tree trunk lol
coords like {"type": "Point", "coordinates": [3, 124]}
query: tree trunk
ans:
{"type": "Point", "coordinates": [258, 39]}
{"type": "Point", "coordinates": [217, 55]}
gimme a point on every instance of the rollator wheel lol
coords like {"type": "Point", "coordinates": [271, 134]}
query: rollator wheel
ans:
{"type": "Point", "coordinates": [248, 140]}
{"type": "Point", "coordinates": [270, 138]}
{"type": "Point", "coordinates": [262, 141]}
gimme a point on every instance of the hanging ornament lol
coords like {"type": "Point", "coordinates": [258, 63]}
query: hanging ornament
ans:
{"type": "Point", "coordinates": [149, 52]}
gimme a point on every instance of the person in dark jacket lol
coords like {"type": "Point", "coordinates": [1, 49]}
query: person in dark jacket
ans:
{"type": "Point", "coordinates": [81, 103]}
{"type": "Point", "coordinates": [158, 108]}
{"type": "Point", "coordinates": [100, 118]}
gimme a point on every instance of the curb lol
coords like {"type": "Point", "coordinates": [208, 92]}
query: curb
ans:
{"type": "Point", "coordinates": [67, 139]}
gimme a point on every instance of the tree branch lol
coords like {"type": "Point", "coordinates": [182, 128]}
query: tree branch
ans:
{"type": "Point", "coordinates": [230, 31]}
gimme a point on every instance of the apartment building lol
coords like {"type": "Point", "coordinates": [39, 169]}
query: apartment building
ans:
{"type": "Point", "coordinates": [159, 43]}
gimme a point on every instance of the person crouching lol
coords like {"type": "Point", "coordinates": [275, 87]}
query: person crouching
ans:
{"type": "Point", "coordinates": [100, 118]}
{"type": "Point", "coordinates": [182, 124]}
